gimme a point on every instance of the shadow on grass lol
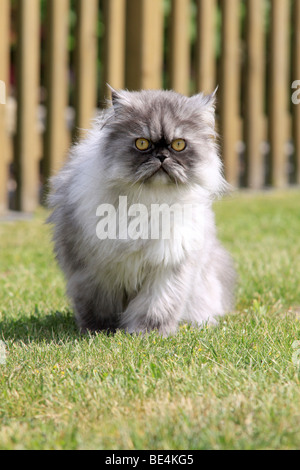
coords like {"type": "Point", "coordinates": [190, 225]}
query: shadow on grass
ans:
{"type": "Point", "coordinates": [49, 328]}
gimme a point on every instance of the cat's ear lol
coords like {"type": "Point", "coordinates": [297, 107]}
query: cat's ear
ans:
{"type": "Point", "coordinates": [212, 98]}
{"type": "Point", "coordinates": [118, 97]}
{"type": "Point", "coordinates": [205, 100]}
{"type": "Point", "coordinates": [114, 95]}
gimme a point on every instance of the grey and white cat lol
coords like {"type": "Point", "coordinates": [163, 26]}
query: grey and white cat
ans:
{"type": "Point", "coordinates": [152, 147]}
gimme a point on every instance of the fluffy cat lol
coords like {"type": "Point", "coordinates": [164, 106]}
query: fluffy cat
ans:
{"type": "Point", "coordinates": [152, 147]}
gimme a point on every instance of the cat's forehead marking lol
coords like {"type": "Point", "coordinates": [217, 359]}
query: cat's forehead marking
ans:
{"type": "Point", "coordinates": [162, 125]}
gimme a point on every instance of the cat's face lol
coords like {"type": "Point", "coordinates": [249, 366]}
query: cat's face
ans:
{"type": "Point", "coordinates": [162, 138]}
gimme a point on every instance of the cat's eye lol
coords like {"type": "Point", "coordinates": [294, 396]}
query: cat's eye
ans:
{"type": "Point", "coordinates": [178, 145]}
{"type": "Point", "coordinates": [142, 144]}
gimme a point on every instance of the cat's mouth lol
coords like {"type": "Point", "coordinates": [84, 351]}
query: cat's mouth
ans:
{"type": "Point", "coordinates": [163, 172]}
{"type": "Point", "coordinates": [160, 170]}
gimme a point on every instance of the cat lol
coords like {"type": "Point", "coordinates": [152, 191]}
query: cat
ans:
{"type": "Point", "coordinates": [152, 147]}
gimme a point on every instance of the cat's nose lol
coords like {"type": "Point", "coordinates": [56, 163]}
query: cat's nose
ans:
{"type": "Point", "coordinates": [161, 157]}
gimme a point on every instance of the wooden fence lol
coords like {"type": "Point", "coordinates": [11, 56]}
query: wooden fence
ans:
{"type": "Point", "coordinates": [250, 48]}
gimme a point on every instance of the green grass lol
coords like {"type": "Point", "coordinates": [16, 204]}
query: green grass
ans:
{"type": "Point", "coordinates": [234, 386]}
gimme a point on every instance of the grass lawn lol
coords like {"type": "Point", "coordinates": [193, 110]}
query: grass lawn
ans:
{"type": "Point", "coordinates": [235, 386]}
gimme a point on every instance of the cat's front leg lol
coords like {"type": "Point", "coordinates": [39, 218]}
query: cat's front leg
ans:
{"type": "Point", "coordinates": [159, 305]}
{"type": "Point", "coordinates": [95, 308]}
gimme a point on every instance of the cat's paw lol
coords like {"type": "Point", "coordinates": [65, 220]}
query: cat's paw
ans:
{"type": "Point", "coordinates": [145, 327]}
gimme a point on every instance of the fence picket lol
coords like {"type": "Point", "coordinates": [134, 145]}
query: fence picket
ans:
{"type": "Point", "coordinates": [206, 46]}
{"type": "Point", "coordinates": [114, 45]}
{"type": "Point", "coordinates": [86, 64]}
{"type": "Point", "coordinates": [180, 47]}
{"type": "Point", "coordinates": [230, 89]}
{"type": "Point", "coordinates": [144, 44]}
{"type": "Point", "coordinates": [254, 100]}
{"type": "Point", "coordinates": [28, 98]}
{"type": "Point", "coordinates": [56, 136]}
{"type": "Point", "coordinates": [4, 77]}
{"type": "Point", "coordinates": [278, 92]}
{"type": "Point", "coordinates": [296, 76]}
